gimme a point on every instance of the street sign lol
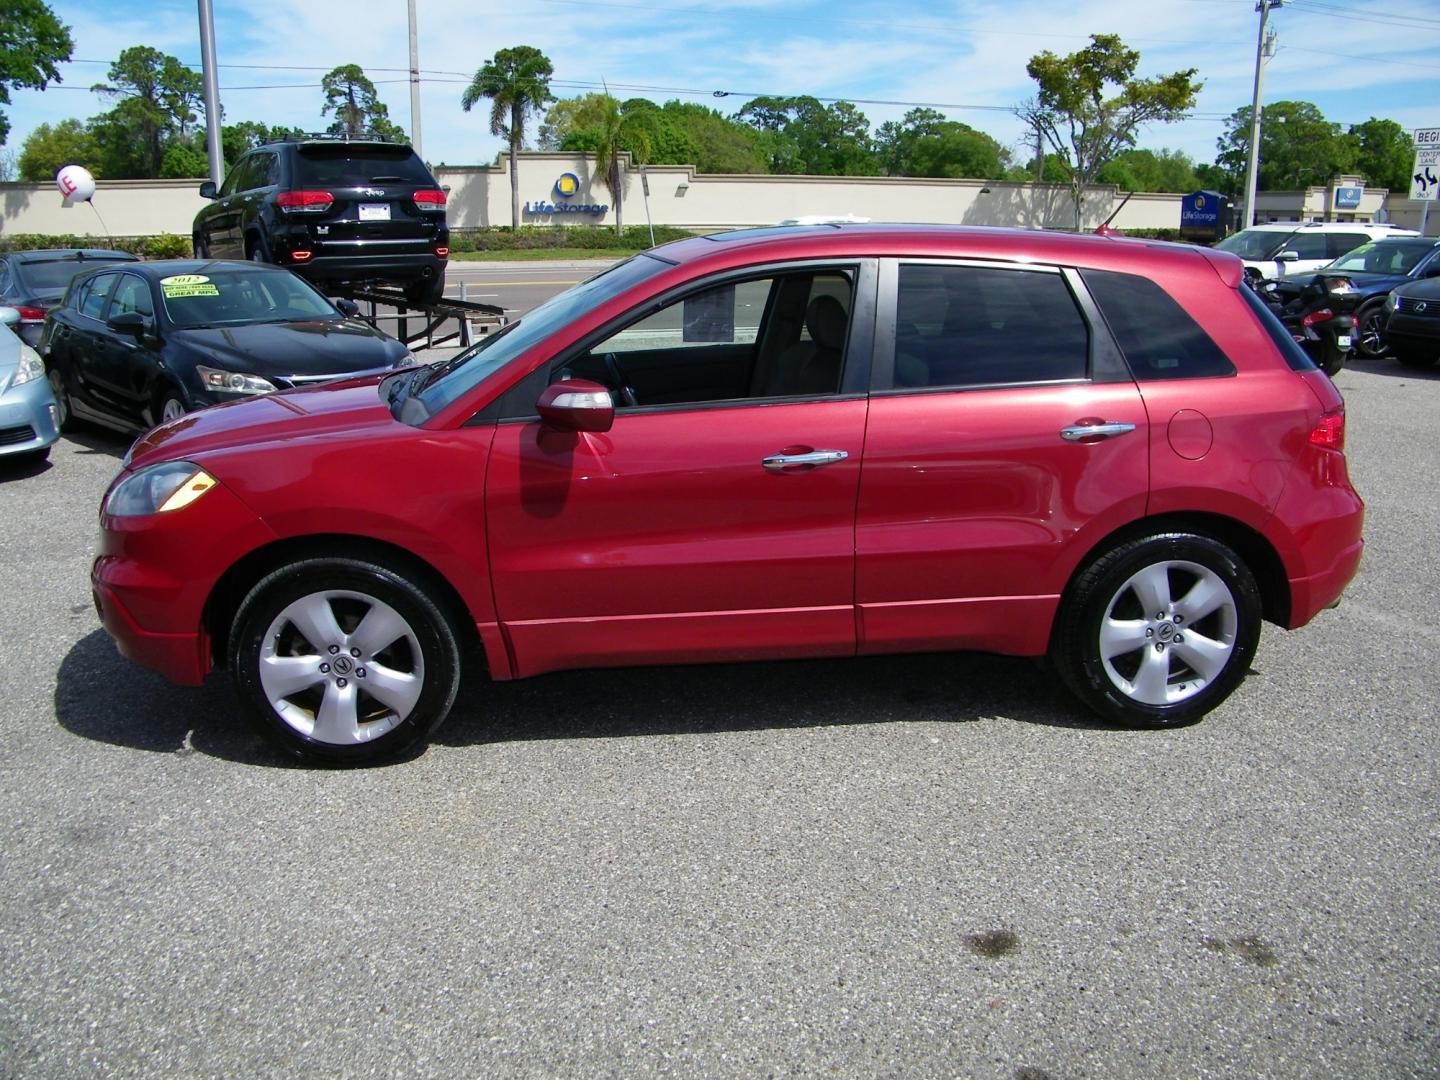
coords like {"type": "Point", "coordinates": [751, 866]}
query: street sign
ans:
{"type": "Point", "coordinates": [1425, 175]}
{"type": "Point", "coordinates": [1426, 137]}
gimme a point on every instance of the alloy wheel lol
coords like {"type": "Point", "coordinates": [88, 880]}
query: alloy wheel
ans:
{"type": "Point", "coordinates": [1168, 632]}
{"type": "Point", "coordinates": [341, 667]}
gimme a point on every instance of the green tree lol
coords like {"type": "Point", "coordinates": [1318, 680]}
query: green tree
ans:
{"type": "Point", "coordinates": [618, 134]}
{"type": "Point", "coordinates": [517, 83]}
{"type": "Point", "coordinates": [236, 139]}
{"type": "Point", "coordinates": [1147, 170]}
{"type": "Point", "coordinates": [158, 101]}
{"type": "Point", "coordinates": [802, 135]}
{"type": "Point", "coordinates": [50, 147]}
{"type": "Point", "coordinates": [1298, 147]}
{"type": "Point", "coordinates": [358, 110]}
{"type": "Point", "coordinates": [184, 160]}
{"type": "Point", "coordinates": [32, 42]}
{"type": "Point", "coordinates": [924, 143]}
{"type": "Point", "coordinates": [1084, 126]}
{"type": "Point", "coordinates": [1384, 153]}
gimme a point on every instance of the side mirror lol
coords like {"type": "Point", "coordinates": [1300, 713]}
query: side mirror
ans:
{"type": "Point", "coordinates": [1288, 256]}
{"type": "Point", "coordinates": [348, 307]}
{"type": "Point", "coordinates": [576, 405]}
{"type": "Point", "coordinates": [207, 189]}
{"type": "Point", "coordinates": [9, 316]}
{"type": "Point", "coordinates": [127, 322]}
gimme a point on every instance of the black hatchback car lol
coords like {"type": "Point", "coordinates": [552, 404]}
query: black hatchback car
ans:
{"type": "Point", "coordinates": [34, 281]}
{"type": "Point", "coordinates": [339, 212]}
{"type": "Point", "coordinates": [131, 347]}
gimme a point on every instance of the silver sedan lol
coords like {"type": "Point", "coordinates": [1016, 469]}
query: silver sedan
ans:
{"type": "Point", "coordinates": [29, 418]}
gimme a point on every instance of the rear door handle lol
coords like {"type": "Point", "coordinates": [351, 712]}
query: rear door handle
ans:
{"type": "Point", "coordinates": [812, 459]}
{"type": "Point", "coordinates": [1079, 432]}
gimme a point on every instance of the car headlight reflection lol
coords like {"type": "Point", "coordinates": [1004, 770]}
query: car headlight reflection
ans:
{"type": "Point", "coordinates": [233, 382]}
{"type": "Point", "coordinates": [30, 366]}
{"type": "Point", "coordinates": [159, 489]}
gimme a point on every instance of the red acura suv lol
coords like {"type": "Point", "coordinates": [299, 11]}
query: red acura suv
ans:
{"type": "Point", "coordinates": [825, 441]}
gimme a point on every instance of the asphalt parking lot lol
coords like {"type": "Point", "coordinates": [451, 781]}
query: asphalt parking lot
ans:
{"type": "Point", "coordinates": [918, 866]}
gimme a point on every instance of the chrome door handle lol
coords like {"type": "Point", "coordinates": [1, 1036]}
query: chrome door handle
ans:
{"type": "Point", "coordinates": [1076, 432]}
{"type": "Point", "coordinates": [781, 462]}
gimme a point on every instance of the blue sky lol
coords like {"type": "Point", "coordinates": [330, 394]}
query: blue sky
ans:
{"type": "Point", "coordinates": [966, 58]}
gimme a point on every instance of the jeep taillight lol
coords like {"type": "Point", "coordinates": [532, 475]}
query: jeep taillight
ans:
{"type": "Point", "coordinates": [429, 199]}
{"type": "Point", "coordinates": [1330, 432]}
{"type": "Point", "coordinates": [304, 202]}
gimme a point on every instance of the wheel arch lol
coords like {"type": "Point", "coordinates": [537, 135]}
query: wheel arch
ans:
{"type": "Point", "coordinates": [1257, 552]}
{"type": "Point", "coordinates": [235, 584]}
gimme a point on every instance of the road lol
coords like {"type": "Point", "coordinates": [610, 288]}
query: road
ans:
{"type": "Point", "coordinates": [516, 286]}
{"type": "Point", "coordinates": [913, 866]}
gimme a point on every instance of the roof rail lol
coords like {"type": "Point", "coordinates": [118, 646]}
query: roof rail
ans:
{"type": "Point", "coordinates": [333, 136]}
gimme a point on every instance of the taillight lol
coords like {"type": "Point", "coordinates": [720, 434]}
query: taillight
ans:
{"type": "Point", "coordinates": [31, 314]}
{"type": "Point", "coordinates": [429, 199]}
{"type": "Point", "coordinates": [300, 256]}
{"type": "Point", "coordinates": [1323, 315]}
{"type": "Point", "coordinates": [1330, 432]}
{"type": "Point", "coordinates": [304, 202]}
{"type": "Point", "coordinates": [443, 252]}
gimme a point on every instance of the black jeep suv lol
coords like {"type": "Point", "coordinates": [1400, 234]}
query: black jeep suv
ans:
{"type": "Point", "coordinates": [339, 212]}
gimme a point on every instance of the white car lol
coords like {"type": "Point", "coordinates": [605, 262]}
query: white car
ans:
{"type": "Point", "coordinates": [1294, 247]}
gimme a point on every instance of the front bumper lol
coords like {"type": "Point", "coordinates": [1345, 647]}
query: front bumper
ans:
{"type": "Point", "coordinates": [29, 420]}
{"type": "Point", "coordinates": [154, 575]}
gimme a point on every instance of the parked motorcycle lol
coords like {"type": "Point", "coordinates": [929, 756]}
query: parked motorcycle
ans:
{"type": "Point", "coordinates": [1321, 318]}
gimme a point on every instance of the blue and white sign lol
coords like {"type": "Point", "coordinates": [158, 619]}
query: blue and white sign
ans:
{"type": "Point", "coordinates": [1200, 210]}
{"type": "Point", "coordinates": [1348, 198]}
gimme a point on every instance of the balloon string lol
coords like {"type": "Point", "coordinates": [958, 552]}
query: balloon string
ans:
{"type": "Point", "coordinates": [108, 237]}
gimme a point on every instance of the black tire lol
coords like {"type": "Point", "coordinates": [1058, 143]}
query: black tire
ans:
{"type": "Point", "coordinates": [1101, 588]}
{"type": "Point", "coordinates": [168, 398]}
{"type": "Point", "coordinates": [256, 250]}
{"type": "Point", "coordinates": [1369, 332]}
{"type": "Point", "coordinates": [426, 293]}
{"type": "Point", "coordinates": [200, 248]}
{"type": "Point", "coordinates": [1417, 361]}
{"type": "Point", "coordinates": [427, 654]}
{"type": "Point", "coordinates": [1332, 357]}
{"type": "Point", "coordinates": [60, 388]}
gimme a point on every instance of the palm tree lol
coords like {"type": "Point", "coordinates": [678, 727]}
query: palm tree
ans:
{"type": "Point", "coordinates": [617, 133]}
{"type": "Point", "coordinates": [517, 82]}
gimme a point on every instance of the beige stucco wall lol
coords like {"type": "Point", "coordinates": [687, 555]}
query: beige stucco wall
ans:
{"type": "Point", "coordinates": [1318, 203]}
{"type": "Point", "coordinates": [128, 207]}
{"type": "Point", "coordinates": [480, 197]}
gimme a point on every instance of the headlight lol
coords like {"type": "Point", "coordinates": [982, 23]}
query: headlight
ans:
{"type": "Point", "coordinates": [1391, 301]}
{"type": "Point", "coordinates": [233, 382]}
{"type": "Point", "coordinates": [30, 366]}
{"type": "Point", "coordinates": [159, 489]}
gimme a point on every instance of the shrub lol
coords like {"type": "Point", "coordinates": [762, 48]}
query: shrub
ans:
{"type": "Point", "coordinates": [166, 246]}
{"type": "Point", "coordinates": [541, 237]}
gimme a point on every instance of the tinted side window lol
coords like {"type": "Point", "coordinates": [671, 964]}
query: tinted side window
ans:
{"type": "Point", "coordinates": [1342, 243]}
{"type": "Point", "coordinates": [974, 326]}
{"type": "Point", "coordinates": [1308, 245]}
{"type": "Point", "coordinates": [4, 277]}
{"type": "Point", "coordinates": [92, 303]}
{"type": "Point", "coordinates": [132, 296]}
{"type": "Point", "coordinates": [1157, 336]}
{"type": "Point", "coordinates": [227, 187]}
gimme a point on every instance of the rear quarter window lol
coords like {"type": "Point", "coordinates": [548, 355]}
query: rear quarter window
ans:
{"type": "Point", "coordinates": [1158, 337]}
{"type": "Point", "coordinates": [1294, 355]}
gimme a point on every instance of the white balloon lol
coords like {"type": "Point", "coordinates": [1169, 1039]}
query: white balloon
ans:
{"type": "Point", "coordinates": [75, 183]}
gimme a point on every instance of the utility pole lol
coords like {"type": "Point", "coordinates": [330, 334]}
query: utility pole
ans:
{"type": "Point", "coordinates": [212, 91]}
{"type": "Point", "coordinates": [414, 85]}
{"type": "Point", "coordinates": [1264, 49]}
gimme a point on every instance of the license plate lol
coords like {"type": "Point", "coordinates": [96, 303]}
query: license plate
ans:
{"type": "Point", "coordinates": [370, 211]}
{"type": "Point", "coordinates": [1343, 340]}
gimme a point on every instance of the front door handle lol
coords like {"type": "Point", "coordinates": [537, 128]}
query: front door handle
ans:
{"type": "Point", "coordinates": [1085, 432]}
{"type": "Point", "coordinates": [810, 460]}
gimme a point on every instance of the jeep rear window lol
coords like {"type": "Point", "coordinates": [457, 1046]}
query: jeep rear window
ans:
{"type": "Point", "coordinates": [356, 166]}
{"type": "Point", "coordinates": [1158, 337]}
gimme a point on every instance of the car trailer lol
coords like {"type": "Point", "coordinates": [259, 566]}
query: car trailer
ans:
{"type": "Point", "coordinates": [423, 326]}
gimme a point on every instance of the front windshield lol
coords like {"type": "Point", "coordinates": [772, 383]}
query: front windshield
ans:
{"type": "Point", "coordinates": [1385, 257]}
{"type": "Point", "coordinates": [466, 371]}
{"type": "Point", "coordinates": [224, 297]}
{"type": "Point", "coordinates": [1253, 244]}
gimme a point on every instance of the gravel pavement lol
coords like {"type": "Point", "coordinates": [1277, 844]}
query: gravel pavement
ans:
{"type": "Point", "coordinates": [911, 866]}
